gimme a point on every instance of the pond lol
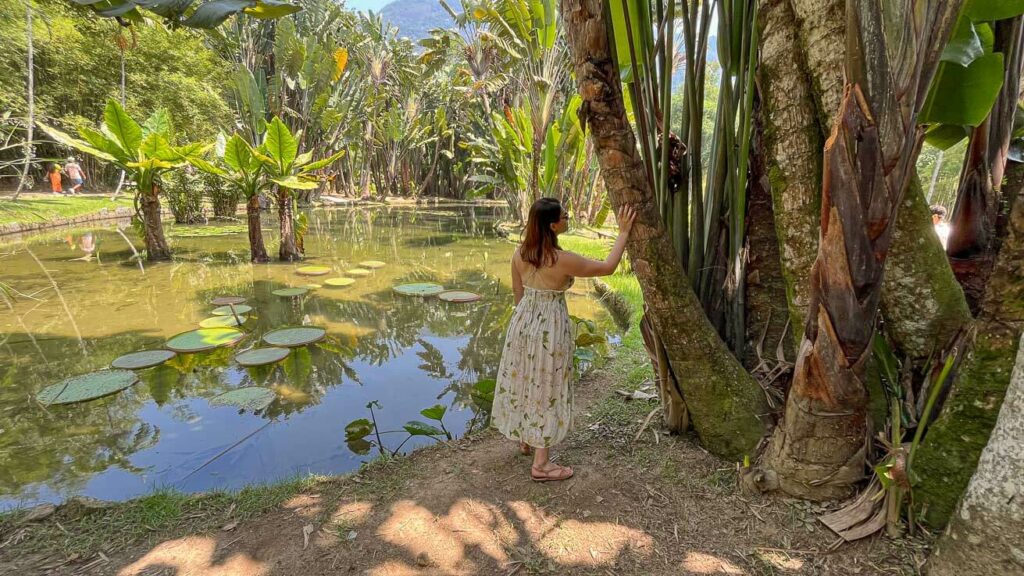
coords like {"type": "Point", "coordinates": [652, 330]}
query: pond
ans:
{"type": "Point", "coordinates": [406, 353]}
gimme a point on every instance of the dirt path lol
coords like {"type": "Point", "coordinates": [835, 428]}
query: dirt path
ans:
{"type": "Point", "coordinates": [658, 506]}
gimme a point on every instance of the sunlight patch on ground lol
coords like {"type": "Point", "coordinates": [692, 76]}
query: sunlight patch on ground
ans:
{"type": "Point", "coordinates": [193, 555]}
{"type": "Point", "coordinates": [780, 561]}
{"type": "Point", "coordinates": [305, 505]}
{"type": "Point", "coordinates": [700, 563]}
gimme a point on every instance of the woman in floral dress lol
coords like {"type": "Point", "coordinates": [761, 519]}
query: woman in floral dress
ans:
{"type": "Point", "coordinates": [533, 398]}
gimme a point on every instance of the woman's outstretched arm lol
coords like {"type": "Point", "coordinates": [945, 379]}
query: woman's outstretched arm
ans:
{"type": "Point", "coordinates": [576, 265]}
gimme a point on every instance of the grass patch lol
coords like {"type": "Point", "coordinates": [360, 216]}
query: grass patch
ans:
{"type": "Point", "coordinates": [36, 210]}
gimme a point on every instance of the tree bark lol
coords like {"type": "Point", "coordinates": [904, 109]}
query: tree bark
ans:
{"type": "Point", "coordinates": [724, 401]}
{"type": "Point", "coordinates": [922, 303]}
{"type": "Point", "coordinates": [156, 245]}
{"type": "Point", "coordinates": [257, 250]}
{"type": "Point", "coordinates": [793, 141]}
{"type": "Point", "coordinates": [289, 249]}
{"type": "Point", "coordinates": [986, 536]}
{"type": "Point", "coordinates": [953, 444]}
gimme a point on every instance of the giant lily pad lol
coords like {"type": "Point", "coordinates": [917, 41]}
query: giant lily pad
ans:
{"type": "Point", "coordinates": [458, 296]}
{"type": "Point", "coordinates": [339, 282]}
{"type": "Point", "coordinates": [249, 398]}
{"type": "Point", "coordinates": [226, 310]}
{"type": "Point", "coordinates": [262, 356]}
{"type": "Point", "coordinates": [358, 272]}
{"type": "Point", "coordinates": [204, 339]}
{"type": "Point", "coordinates": [143, 359]}
{"type": "Point", "coordinates": [419, 289]}
{"type": "Point", "coordinates": [294, 337]}
{"type": "Point", "coordinates": [87, 387]}
{"type": "Point", "coordinates": [227, 301]}
{"type": "Point", "coordinates": [290, 292]}
{"type": "Point", "coordinates": [228, 321]}
{"type": "Point", "coordinates": [312, 270]}
{"type": "Point", "coordinates": [372, 264]}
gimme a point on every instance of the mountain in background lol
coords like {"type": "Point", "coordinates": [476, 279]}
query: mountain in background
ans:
{"type": "Point", "coordinates": [415, 18]}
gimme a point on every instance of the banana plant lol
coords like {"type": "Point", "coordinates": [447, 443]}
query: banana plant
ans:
{"type": "Point", "coordinates": [237, 166]}
{"type": "Point", "coordinates": [289, 171]}
{"type": "Point", "coordinates": [209, 14]}
{"type": "Point", "coordinates": [144, 152]}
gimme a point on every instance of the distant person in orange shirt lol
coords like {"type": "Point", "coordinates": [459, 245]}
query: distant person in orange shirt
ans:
{"type": "Point", "coordinates": [76, 174]}
{"type": "Point", "coordinates": [55, 183]}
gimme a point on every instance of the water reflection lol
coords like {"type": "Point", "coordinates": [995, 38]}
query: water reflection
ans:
{"type": "Point", "coordinates": [406, 353]}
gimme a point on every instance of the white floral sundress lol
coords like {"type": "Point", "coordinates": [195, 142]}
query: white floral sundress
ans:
{"type": "Point", "coordinates": [533, 396]}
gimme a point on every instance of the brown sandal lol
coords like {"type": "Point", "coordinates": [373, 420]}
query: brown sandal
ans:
{"type": "Point", "coordinates": [556, 474]}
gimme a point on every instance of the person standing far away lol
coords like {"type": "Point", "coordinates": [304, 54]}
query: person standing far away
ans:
{"type": "Point", "coordinates": [942, 227]}
{"type": "Point", "coordinates": [76, 174]}
{"type": "Point", "coordinates": [55, 181]}
{"type": "Point", "coordinates": [533, 394]}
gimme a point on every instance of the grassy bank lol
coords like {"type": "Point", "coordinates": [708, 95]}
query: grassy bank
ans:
{"type": "Point", "coordinates": [39, 208]}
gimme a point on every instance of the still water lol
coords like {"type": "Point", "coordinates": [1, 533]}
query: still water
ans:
{"type": "Point", "coordinates": [406, 353]}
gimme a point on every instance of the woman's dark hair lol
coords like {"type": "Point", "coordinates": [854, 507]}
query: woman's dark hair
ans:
{"type": "Point", "coordinates": [540, 246]}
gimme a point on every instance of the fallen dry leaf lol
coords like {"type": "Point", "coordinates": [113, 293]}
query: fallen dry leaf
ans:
{"type": "Point", "coordinates": [230, 526]}
{"type": "Point", "coordinates": [306, 531]}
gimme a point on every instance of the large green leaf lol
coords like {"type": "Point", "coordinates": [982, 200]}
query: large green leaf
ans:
{"type": "Point", "coordinates": [100, 141]}
{"type": "Point", "coordinates": [990, 10]}
{"type": "Point", "coordinates": [281, 146]}
{"type": "Point", "coordinates": [945, 136]}
{"type": "Point", "coordinates": [158, 123]}
{"type": "Point", "coordinates": [71, 141]}
{"type": "Point", "coordinates": [357, 429]}
{"type": "Point", "coordinates": [964, 45]}
{"type": "Point", "coordinates": [156, 146]}
{"type": "Point", "coordinates": [296, 183]}
{"type": "Point", "coordinates": [417, 428]}
{"type": "Point", "coordinates": [964, 95]}
{"type": "Point", "coordinates": [435, 412]}
{"type": "Point", "coordinates": [325, 162]}
{"type": "Point", "coordinates": [270, 9]}
{"type": "Point", "coordinates": [120, 125]}
{"type": "Point", "coordinates": [213, 13]}
{"type": "Point", "coordinates": [237, 153]}
{"type": "Point", "coordinates": [639, 24]}
{"type": "Point", "coordinates": [207, 167]}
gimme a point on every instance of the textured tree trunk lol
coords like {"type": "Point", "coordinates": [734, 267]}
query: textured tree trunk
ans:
{"type": "Point", "coordinates": [289, 249]}
{"type": "Point", "coordinates": [156, 244]}
{"type": "Point", "coordinates": [723, 400]}
{"type": "Point", "coordinates": [819, 449]}
{"type": "Point", "coordinates": [257, 250]}
{"type": "Point", "coordinates": [922, 303]}
{"type": "Point", "coordinates": [986, 536]}
{"type": "Point", "coordinates": [953, 444]}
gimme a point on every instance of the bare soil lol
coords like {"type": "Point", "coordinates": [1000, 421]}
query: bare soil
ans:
{"type": "Point", "coordinates": [659, 505]}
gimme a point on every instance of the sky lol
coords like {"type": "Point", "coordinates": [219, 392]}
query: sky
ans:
{"type": "Point", "coordinates": [374, 5]}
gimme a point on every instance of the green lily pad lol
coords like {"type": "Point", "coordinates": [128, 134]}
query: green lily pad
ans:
{"type": "Point", "coordinates": [290, 292]}
{"type": "Point", "coordinates": [312, 270]}
{"type": "Point", "coordinates": [419, 289]}
{"type": "Point", "coordinates": [143, 359]}
{"type": "Point", "coordinates": [339, 282]}
{"type": "Point", "coordinates": [227, 300]}
{"type": "Point", "coordinates": [294, 337]}
{"type": "Point", "coordinates": [226, 310]}
{"type": "Point", "coordinates": [458, 296]}
{"type": "Point", "coordinates": [358, 272]}
{"type": "Point", "coordinates": [204, 339]}
{"type": "Point", "coordinates": [222, 322]}
{"type": "Point", "coordinates": [262, 356]}
{"type": "Point", "coordinates": [372, 264]}
{"type": "Point", "coordinates": [249, 398]}
{"type": "Point", "coordinates": [87, 387]}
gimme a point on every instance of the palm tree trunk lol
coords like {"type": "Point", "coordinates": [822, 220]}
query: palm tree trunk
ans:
{"type": "Point", "coordinates": [724, 402]}
{"type": "Point", "coordinates": [987, 535]}
{"type": "Point", "coordinates": [156, 245]}
{"type": "Point", "coordinates": [30, 84]}
{"type": "Point", "coordinates": [289, 249]}
{"type": "Point", "coordinates": [950, 451]}
{"type": "Point", "coordinates": [257, 250]}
